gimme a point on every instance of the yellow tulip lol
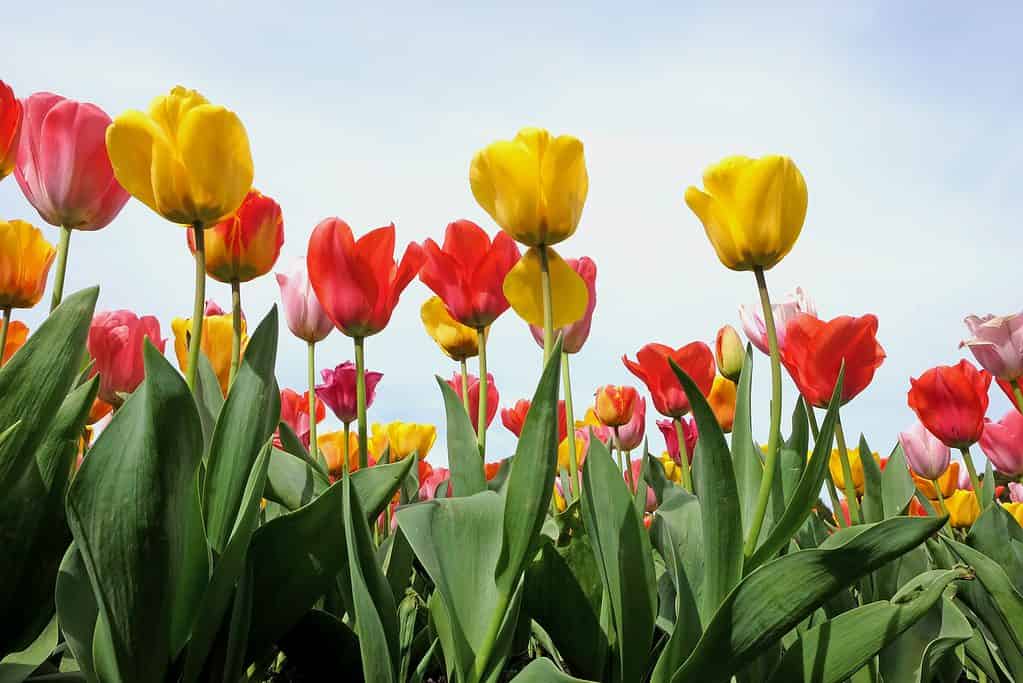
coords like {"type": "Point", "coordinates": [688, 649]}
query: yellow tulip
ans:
{"type": "Point", "coordinates": [25, 259]}
{"type": "Point", "coordinates": [1016, 510]}
{"type": "Point", "coordinates": [533, 186]}
{"type": "Point", "coordinates": [456, 340]}
{"type": "Point", "coordinates": [186, 159]}
{"type": "Point", "coordinates": [855, 464]}
{"type": "Point", "coordinates": [752, 209]}
{"type": "Point", "coordinates": [406, 438]}
{"type": "Point", "coordinates": [963, 509]}
{"type": "Point", "coordinates": [948, 481]}
{"type": "Point", "coordinates": [215, 344]}
{"type": "Point", "coordinates": [559, 500]}
{"type": "Point", "coordinates": [590, 419]}
{"type": "Point", "coordinates": [377, 442]}
{"type": "Point", "coordinates": [671, 468]}
{"type": "Point", "coordinates": [332, 446]}
{"type": "Point", "coordinates": [523, 289]}
{"type": "Point", "coordinates": [581, 444]}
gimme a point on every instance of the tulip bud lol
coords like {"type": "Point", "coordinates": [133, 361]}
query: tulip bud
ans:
{"type": "Point", "coordinates": [306, 318]}
{"type": "Point", "coordinates": [615, 404]}
{"type": "Point", "coordinates": [926, 454]}
{"type": "Point", "coordinates": [115, 343]}
{"type": "Point", "coordinates": [338, 390]}
{"type": "Point", "coordinates": [729, 353]}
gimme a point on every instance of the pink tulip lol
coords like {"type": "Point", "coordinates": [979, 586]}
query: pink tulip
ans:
{"type": "Point", "coordinates": [115, 344]}
{"type": "Point", "coordinates": [630, 435]}
{"type": "Point", "coordinates": [338, 390]}
{"type": "Point", "coordinates": [62, 166]}
{"type": "Point", "coordinates": [1015, 492]}
{"type": "Point", "coordinates": [637, 474]}
{"type": "Point", "coordinates": [575, 335]}
{"type": "Point", "coordinates": [690, 432]}
{"type": "Point", "coordinates": [1002, 443]}
{"type": "Point", "coordinates": [997, 344]}
{"type": "Point", "coordinates": [925, 453]}
{"type": "Point", "coordinates": [434, 477]}
{"type": "Point", "coordinates": [306, 318]}
{"type": "Point", "coordinates": [213, 308]}
{"type": "Point", "coordinates": [474, 396]}
{"type": "Point", "coordinates": [752, 318]}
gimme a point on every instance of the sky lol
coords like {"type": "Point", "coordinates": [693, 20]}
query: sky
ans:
{"type": "Point", "coordinates": [903, 117]}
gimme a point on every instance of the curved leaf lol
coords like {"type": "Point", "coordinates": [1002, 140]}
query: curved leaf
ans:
{"type": "Point", "coordinates": [467, 476]}
{"type": "Point", "coordinates": [542, 670]}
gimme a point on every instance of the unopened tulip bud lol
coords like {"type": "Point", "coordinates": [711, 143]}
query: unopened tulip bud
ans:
{"type": "Point", "coordinates": [729, 353]}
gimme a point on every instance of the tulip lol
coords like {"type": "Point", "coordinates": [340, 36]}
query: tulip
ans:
{"type": "Point", "coordinates": [334, 446]}
{"type": "Point", "coordinates": [100, 409]}
{"type": "Point", "coordinates": [1016, 510]}
{"type": "Point", "coordinates": [1002, 443]}
{"type": "Point", "coordinates": [528, 295]}
{"type": "Point", "coordinates": [217, 333]}
{"type": "Point", "coordinates": [490, 401]}
{"type": "Point", "coordinates": [15, 335]}
{"type": "Point", "coordinates": [490, 469]}
{"type": "Point", "coordinates": [926, 454]}
{"type": "Point", "coordinates": [406, 438]}
{"type": "Point", "coordinates": [581, 443]}
{"type": "Point", "coordinates": [305, 317]}
{"type": "Point", "coordinates": [189, 161]}
{"type": "Point", "coordinates": [751, 209]}
{"type": "Point", "coordinates": [951, 402]}
{"type": "Point", "coordinates": [573, 336]}
{"type": "Point", "coordinates": [755, 328]}
{"type": "Point", "coordinates": [457, 341]}
{"type": "Point", "coordinates": [25, 259]}
{"type": "Point", "coordinates": [10, 129]}
{"type": "Point", "coordinates": [614, 405]}
{"type": "Point", "coordinates": [431, 479]}
{"type": "Point", "coordinates": [670, 434]}
{"type": "Point", "coordinates": [245, 244]}
{"type": "Point", "coordinates": [1015, 492]}
{"type": "Point", "coordinates": [963, 509]}
{"type": "Point", "coordinates": [295, 413]}
{"type": "Point", "coordinates": [630, 435]}
{"type": "Point", "coordinates": [115, 343]}
{"type": "Point", "coordinates": [916, 508]}
{"type": "Point", "coordinates": [652, 367]}
{"type": "Point", "coordinates": [942, 486]}
{"type": "Point", "coordinates": [671, 469]}
{"type": "Point", "coordinates": [997, 344]}
{"type": "Point", "coordinates": [514, 418]}
{"type": "Point", "coordinates": [635, 475]}
{"type": "Point", "coordinates": [729, 353]}
{"type": "Point", "coordinates": [338, 390]}
{"type": "Point", "coordinates": [855, 465]}
{"type": "Point", "coordinates": [815, 351]}
{"type": "Point", "coordinates": [722, 401]}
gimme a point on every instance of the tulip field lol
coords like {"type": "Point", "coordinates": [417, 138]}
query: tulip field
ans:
{"type": "Point", "coordinates": [169, 513]}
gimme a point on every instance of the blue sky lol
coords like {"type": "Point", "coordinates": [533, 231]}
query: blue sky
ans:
{"type": "Point", "coordinates": [904, 120]}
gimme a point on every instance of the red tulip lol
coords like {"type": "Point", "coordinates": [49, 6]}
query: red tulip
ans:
{"type": "Point", "coordinates": [10, 129]}
{"type": "Point", "coordinates": [115, 345]}
{"type": "Point", "coordinates": [815, 349]}
{"type": "Point", "coordinates": [474, 396]}
{"type": "Point", "coordinates": [689, 431]}
{"type": "Point", "coordinates": [468, 272]}
{"type": "Point", "coordinates": [245, 244]}
{"type": "Point", "coordinates": [651, 366]}
{"type": "Point", "coordinates": [295, 414]}
{"type": "Point", "coordinates": [358, 282]}
{"type": "Point", "coordinates": [490, 469]}
{"type": "Point", "coordinates": [515, 417]}
{"type": "Point", "coordinates": [338, 390]}
{"type": "Point", "coordinates": [951, 401]}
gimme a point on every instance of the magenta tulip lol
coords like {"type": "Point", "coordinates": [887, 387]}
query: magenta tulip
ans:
{"type": "Point", "coordinates": [1002, 443]}
{"type": "Point", "coordinates": [115, 345]}
{"type": "Point", "coordinates": [338, 390]}
{"type": "Point", "coordinates": [575, 335]}
{"type": "Point", "coordinates": [752, 318]}
{"type": "Point", "coordinates": [306, 318]}
{"type": "Point", "coordinates": [997, 344]}
{"type": "Point", "coordinates": [690, 432]}
{"type": "Point", "coordinates": [62, 165]}
{"type": "Point", "coordinates": [925, 453]}
{"type": "Point", "coordinates": [630, 434]}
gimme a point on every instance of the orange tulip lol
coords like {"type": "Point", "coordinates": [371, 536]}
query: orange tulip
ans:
{"type": "Point", "coordinates": [722, 401]}
{"type": "Point", "coordinates": [25, 259]}
{"type": "Point", "coordinates": [17, 333]}
{"type": "Point", "coordinates": [948, 481]}
{"type": "Point", "coordinates": [615, 404]}
{"type": "Point", "coordinates": [245, 244]}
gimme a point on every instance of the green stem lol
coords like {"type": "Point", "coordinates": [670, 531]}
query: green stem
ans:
{"type": "Point", "coordinates": [360, 400]}
{"type": "Point", "coordinates": [941, 497]}
{"type": "Point", "coordinates": [618, 455]}
{"type": "Point", "coordinates": [1017, 393]}
{"type": "Point", "coordinates": [481, 418]}
{"type": "Point", "coordinates": [850, 486]}
{"type": "Point", "coordinates": [548, 303]}
{"type": "Point", "coordinates": [346, 450]}
{"type": "Point", "coordinates": [4, 326]}
{"type": "Point", "coordinates": [236, 330]}
{"type": "Point", "coordinates": [836, 506]}
{"type": "Point", "coordinates": [974, 479]}
{"type": "Point", "coordinates": [311, 370]}
{"type": "Point", "coordinates": [465, 386]}
{"type": "Point", "coordinates": [573, 463]}
{"type": "Point", "coordinates": [628, 463]}
{"type": "Point", "coordinates": [683, 452]}
{"type": "Point", "coordinates": [58, 276]}
{"type": "Point", "coordinates": [774, 436]}
{"type": "Point", "coordinates": [198, 308]}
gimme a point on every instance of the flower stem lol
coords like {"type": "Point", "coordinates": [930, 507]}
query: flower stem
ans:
{"type": "Point", "coordinates": [236, 330]}
{"type": "Point", "coordinates": [548, 303]}
{"type": "Point", "coordinates": [360, 400]}
{"type": "Point", "coordinates": [628, 463]}
{"type": "Point", "coordinates": [4, 326]}
{"type": "Point", "coordinates": [58, 276]}
{"type": "Point", "coordinates": [481, 418]}
{"type": "Point", "coordinates": [974, 479]}
{"type": "Point", "coordinates": [855, 513]}
{"type": "Point", "coordinates": [828, 481]}
{"type": "Point", "coordinates": [198, 308]}
{"type": "Point", "coordinates": [1017, 394]}
{"type": "Point", "coordinates": [347, 450]}
{"type": "Point", "coordinates": [311, 369]}
{"type": "Point", "coordinates": [774, 436]}
{"type": "Point", "coordinates": [683, 451]}
{"type": "Point", "coordinates": [465, 386]}
{"type": "Point", "coordinates": [573, 462]}
{"type": "Point", "coordinates": [941, 497]}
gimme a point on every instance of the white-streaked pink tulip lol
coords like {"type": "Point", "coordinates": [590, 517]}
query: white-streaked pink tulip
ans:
{"type": "Point", "coordinates": [997, 344]}
{"type": "Point", "coordinates": [752, 318]}
{"type": "Point", "coordinates": [306, 318]}
{"type": "Point", "coordinates": [925, 453]}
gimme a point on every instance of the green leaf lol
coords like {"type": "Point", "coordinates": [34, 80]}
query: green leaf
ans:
{"type": "Point", "coordinates": [916, 655]}
{"type": "Point", "coordinates": [872, 500]}
{"type": "Point", "coordinates": [208, 398]}
{"type": "Point", "coordinates": [998, 535]}
{"type": "Point", "coordinates": [293, 482]}
{"type": "Point", "coordinates": [807, 491]}
{"type": "Point", "coordinates": [76, 609]}
{"type": "Point", "coordinates": [897, 485]}
{"type": "Point", "coordinates": [290, 443]}
{"type": "Point", "coordinates": [467, 476]}
{"type": "Point", "coordinates": [664, 489]}
{"type": "Point", "coordinates": [792, 459]}
{"type": "Point", "coordinates": [372, 599]}
{"type": "Point", "coordinates": [715, 486]}
{"type": "Point", "coordinates": [543, 671]}
{"type": "Point", "coordinates": [248, 418]}
{"type": "Point", "coordinates": [126, 507]}
{"type": "Point", "coordinates": [834, 650]}
{"type": "Point", "coordinates": [749, 466]}
{"type": "Point", "coordinates": [772, 600]}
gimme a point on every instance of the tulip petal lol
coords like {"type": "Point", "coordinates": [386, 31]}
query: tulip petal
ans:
{"type": "Point", "coordinates": [565, 186]}
{"type": "Point", "coordinates": [773, 193]}
{"type": "Point", "coordinates": [215, 149]}
{"type": "Point", "coordinates": [717, 224]}
{"type": "Point", "coordinates": [505, 180]}
{"type": "Point", "coordinates": [130, 141]}
{"type": "Point", "coordinates": [523, 290]}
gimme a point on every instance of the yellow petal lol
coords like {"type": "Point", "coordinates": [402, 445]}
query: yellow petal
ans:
{"type": "Point", "coordinates": [214, 148]}
{"type": "Point", "coordinates": [722, 178]}
{"type": "Point", "coordinates": [456, 340]}
{"type": "Point", "coordinates": [167, 111]}
{"type": "Point", "coordinates": [716, 224]}
{"type": "Point", "coordinates": [170, 186]}
{"type": "Point", "coordinates": [505, 179]}
{"type": "Point", "coordinates": [770, 202]}
{"type": "Point", "coordinates": [130, 141]}
{"type": "Point", "coordinates": [522, 288]}
{"type": "Point", "coordinates": [565, 185]}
